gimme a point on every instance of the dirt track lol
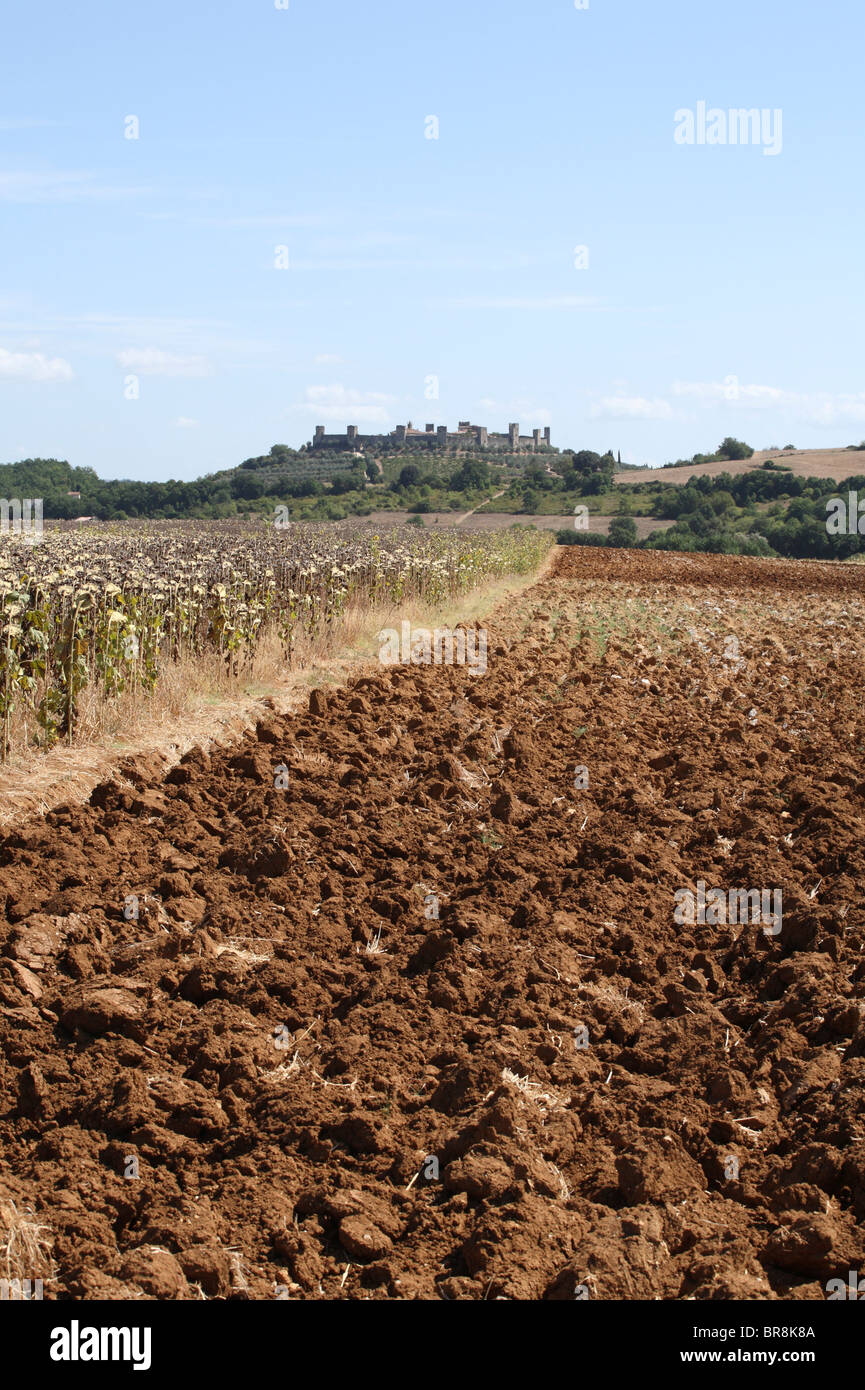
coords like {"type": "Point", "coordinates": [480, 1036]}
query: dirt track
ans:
{"type": "Point", "coordinates": [537, 1094]}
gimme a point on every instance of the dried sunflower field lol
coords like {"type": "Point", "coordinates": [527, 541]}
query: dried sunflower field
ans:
{"type": "Point", "coordinates": [110, 607]}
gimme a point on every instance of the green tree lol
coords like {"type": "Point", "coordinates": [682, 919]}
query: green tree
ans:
{"type": "Point", "coordinates": [585, 460]}
{"type": "Point", "coordinates": [623, 531]}
{"type": "Point", "coordinates": [409, 475]}
{"type": "Point", "coordinates": [731, 448]}
{"type": "Point", "coordinates": [473, 474]}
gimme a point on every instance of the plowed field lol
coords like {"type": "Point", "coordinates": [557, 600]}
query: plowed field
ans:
{"type": "Point", "coordinates": [243, 1056]}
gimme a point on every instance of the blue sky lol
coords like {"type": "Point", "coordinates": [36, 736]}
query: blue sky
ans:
{"type": "Point", "coordinates": [724, 287]}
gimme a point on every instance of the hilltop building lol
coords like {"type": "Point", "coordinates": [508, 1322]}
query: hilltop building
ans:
{"type": "Point", "coordinates": [466, 436]}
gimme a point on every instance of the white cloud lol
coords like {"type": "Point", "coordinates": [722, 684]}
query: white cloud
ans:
{"type": "Point", "coordinates": [183, 422]}
{"type": "Point", "coordinates": [327, 359]}
{"type": "Point", "coordinates": [527, 412]}
{"type": "Point", "coordinates": [559, 301]}
{"type": "Point", "coordinates": [58, 186]}
{"type": "Point", "coordinates": [154, 362]}
{"type": "Point", "coordinates": [632, 408]}
{"type": "Point", "coordinates": [25, 123]}
{"type": "Point", "coordinates": [815, 407]}
{"type": "Point", "coordinates": [276, 220]}
{"type": "Point", "coordinates": [356, 241]}
{"type": "Point", "coordinates": [33, 366]}
{"type": "Point", "coordinates": [731, 389]}
{"type": "Point", "coordinates": [829, 410]}
{"type": "Point", "coordinates": [344, 404]}
{"type": "Point", "coordinates": [351, 263]}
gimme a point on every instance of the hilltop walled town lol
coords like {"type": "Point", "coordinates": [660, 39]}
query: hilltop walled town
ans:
{"type": "Point", "coordinates": [466, 436]}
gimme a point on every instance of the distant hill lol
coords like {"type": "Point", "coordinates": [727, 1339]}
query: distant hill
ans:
{"type": "Point", "coordinates": [255, 485]}
{"type": "Point", "coordinates": [323, 486]}
{"type": "Point", "coordinates": [804, 463]}
{"type": "Point", "coordinates": [69, 492]}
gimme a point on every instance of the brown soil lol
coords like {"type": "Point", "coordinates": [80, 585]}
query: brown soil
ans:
{"type": "Point", "coordinates": [330, 1092]}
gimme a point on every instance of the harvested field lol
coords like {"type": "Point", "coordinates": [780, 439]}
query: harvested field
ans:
{"type": "Point", "coordinates": [502, 521]}
{"type": "Point", "coordinates": [802, 463]}
{"type": "Point", "coordinates": [419, 1021]}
